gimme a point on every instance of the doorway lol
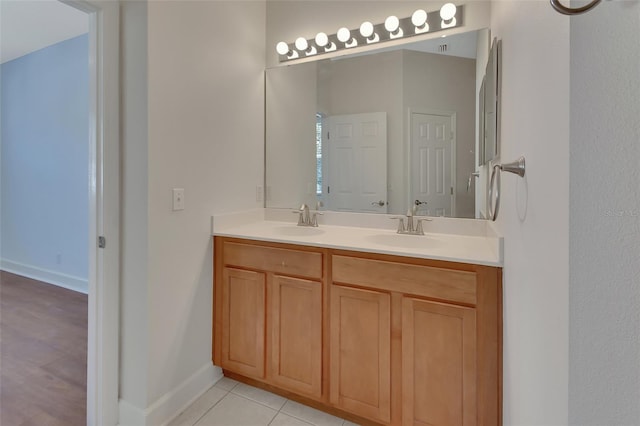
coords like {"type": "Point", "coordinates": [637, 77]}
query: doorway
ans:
{"type": "Point", "coordinates": [432, 171]}
{"type": "Point", "coordinates": [103, 200]}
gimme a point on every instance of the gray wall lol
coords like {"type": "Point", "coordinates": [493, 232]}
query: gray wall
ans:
{"type": "Point", "coordinates": [604, 224]}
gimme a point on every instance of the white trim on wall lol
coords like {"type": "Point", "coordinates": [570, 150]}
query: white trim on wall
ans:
{"type": "Point", "coordinates": [171, 404]}
{"type": "Point", "coordinates": [104, 209]}
{"type": "Point", "coordinates": [48, 276]}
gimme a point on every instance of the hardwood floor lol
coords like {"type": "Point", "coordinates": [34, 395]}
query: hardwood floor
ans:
{"type": "Point", "coordinates": [43, 353]}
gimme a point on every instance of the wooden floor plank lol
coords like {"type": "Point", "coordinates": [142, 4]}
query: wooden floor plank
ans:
{"type": "Point", "coordinates": [43, 353]}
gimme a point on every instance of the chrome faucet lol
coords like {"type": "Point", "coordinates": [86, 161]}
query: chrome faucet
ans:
{"type": "Point", "coordinates": [304, 216]}
{"type": "Point", "coordinates": [414, 225]}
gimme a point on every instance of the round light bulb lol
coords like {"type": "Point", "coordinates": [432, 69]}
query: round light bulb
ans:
{"type": "Point", "coordinates": [419, 18]}
{"type": "Point", "coordinates": [366, 29]}
{"type": "Point", "coordinates": [322, 39]}
{"type": "Point", "coordinates": [344, 35]}
{"type": "Point", "coordinates": [282, 48]}
{"type": "Point", "coordinates": [301, 43]}
{"type": "Point", "coordinates": [391, 24]}
{"type": "Point", "coordinates": [448, 11]}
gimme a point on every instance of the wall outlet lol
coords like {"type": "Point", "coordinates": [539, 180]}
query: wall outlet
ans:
{"type": "Point", "coordinates": [178, 199]}
{"type": "Point", "coordinates": [259, 193]}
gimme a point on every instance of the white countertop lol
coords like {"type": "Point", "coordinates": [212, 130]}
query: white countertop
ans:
{"type": "Point", "coordinates": [475, 249]}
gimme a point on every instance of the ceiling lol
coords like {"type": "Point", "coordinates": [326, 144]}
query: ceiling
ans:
{"type": "Point", "coordinates": [30, 25]}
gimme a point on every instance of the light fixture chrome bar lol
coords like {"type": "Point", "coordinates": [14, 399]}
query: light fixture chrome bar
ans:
{"type": "Point", "coordinates": [434, 23]}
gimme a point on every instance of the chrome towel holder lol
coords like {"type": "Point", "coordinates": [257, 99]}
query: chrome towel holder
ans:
{"type": "Point", "coordinates": [516, 167]}
{"type": "Point", "coordinates": [559, 7]}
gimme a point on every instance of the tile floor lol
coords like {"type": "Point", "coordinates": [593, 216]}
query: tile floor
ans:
{"type": "Point", "coordinates": [230, 403]}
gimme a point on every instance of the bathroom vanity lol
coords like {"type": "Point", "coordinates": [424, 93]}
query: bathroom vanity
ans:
{"type": "Point", "coordinates": [360, 326]}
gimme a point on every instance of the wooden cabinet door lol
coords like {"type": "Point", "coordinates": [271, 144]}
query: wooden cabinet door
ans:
{"type": "Point", "coordinates": [360, 351]}
{"type": "Point", "coordinates": [243, 322]}
{"type": "Point", "coordinates": [438, 364]}
{"type": "Point", "coordinates": [295, 344]}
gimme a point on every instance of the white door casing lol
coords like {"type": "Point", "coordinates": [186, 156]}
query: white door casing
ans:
{"type": "Point", "coordinates": [104, 209]}
{"type": "Point", "coordinates": [356, 178]}
{"type": "Point", "coordinates": [432, 171]}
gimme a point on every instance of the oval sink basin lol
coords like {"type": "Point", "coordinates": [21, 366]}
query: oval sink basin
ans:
{"type": "Point", "coordinates": [405, 241]}
{"type": "Point", "coordinates": [298, 231]}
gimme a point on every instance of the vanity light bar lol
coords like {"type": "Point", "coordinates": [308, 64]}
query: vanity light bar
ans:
{"type": "Point", "coordinates": [420, 22]}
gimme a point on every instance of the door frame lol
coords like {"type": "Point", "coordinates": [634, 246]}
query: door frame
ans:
{"type": "Point", "coordinates": [104, 209]}
{"type": "Point", "coordinates": [429, 111]}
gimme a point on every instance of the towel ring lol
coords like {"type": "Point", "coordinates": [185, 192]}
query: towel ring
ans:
{"type": "Point", "coordinates": [493, 210]}
{"type": "Point", "coordinates": [516, 167]}
{"type": "Point", "coordinates": [575, 10]}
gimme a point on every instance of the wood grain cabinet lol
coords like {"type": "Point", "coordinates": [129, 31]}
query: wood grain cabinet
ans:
{"type": "Point", "coordinates": [438, 363]}
{"type": "Point", "coordinates": [415, 342]}
{"type": "Point", "coordinates": [268, 314]}
{"type": "Point", "coordinates": [243, 340]}
{"type": "Point", "coordinates": [384, 339]}
{"type": "Point", "coordinates": [361, 352]}
{"type": "Point", "coordinates": [295, 317]}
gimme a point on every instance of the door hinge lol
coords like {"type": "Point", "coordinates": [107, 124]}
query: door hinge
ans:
{"type": "Point", "coordinates": [328, 190]}
{"type": "Point", "coordinates": [452, 190]}
{"type": "Point", "coordinates": [102, 242]}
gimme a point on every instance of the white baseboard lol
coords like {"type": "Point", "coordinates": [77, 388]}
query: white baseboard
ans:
{"type": "Point", "coordinates": [50, 277]}
{"type": "Point", "coordinates": [130, 415]}
{"type": "Point", "coordinates": [171, 404]}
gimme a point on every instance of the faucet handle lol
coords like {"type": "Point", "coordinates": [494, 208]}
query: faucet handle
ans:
{"type": "Point", "coordinates": [314, 218]}
{"type": "Point", "coordinates": [419, 229]}
{"type": "Point", "coordinates": [400, 219]}
{"type": "Point", "coordinates": [300, 216]}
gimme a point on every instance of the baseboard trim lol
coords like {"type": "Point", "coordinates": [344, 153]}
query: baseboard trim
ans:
{"type": "Point", "coordinates": [69, 282]}
{"type": "Point", "coordinates": [174, 402]}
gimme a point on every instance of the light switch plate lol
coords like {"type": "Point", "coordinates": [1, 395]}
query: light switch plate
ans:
{"type": "Point", "coordinates": [178, 199]}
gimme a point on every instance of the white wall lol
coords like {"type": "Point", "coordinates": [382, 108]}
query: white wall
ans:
{"type": "Point", "coordinates": [534, 213]}
{"type": "Point", "coordinates": [291, 108]}
{"type": "Point", "coordinates": [204, 132]}
{"type": "Point", "coordinates": [604, 237]}
{"type": "Point", "coordinates": [373, 83]}
{"type": "Point", "coordinates": [134, 305]}
{"type": "Point", "coordinates": [447, 83]}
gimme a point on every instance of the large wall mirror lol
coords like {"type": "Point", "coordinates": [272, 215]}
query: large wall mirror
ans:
{"type": "Point", "coordinates": [380, 131]}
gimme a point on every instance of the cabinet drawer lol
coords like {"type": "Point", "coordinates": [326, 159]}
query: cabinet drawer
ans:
{"type": "Point", "coordinates": [283, 261]}
{"type": "Point", "coordinates": [425, 281]}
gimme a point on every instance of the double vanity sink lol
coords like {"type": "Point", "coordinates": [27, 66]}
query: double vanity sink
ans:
{"type": "Point", "coordinates": [357, 320]}
{"type": "Point", "coordinates": [455, 240]}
